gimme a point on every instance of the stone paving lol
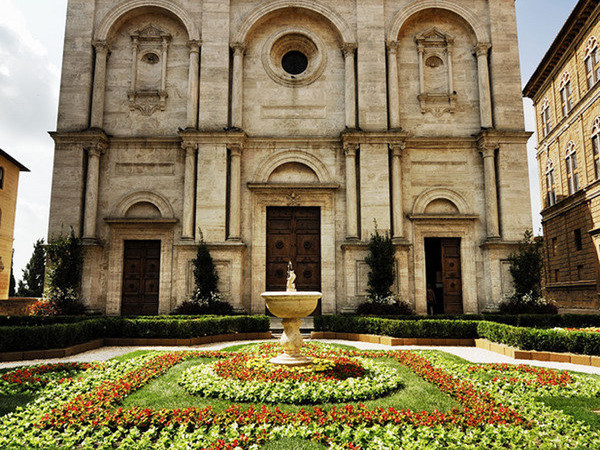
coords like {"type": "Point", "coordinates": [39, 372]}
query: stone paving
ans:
{"type": "Point", "coordinates": [472, 354]}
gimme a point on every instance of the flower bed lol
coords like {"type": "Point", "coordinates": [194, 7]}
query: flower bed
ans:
{"type": "Point", "coordinates": [498, 410]}
{"type": "Point", "coordinates": [31, 378]}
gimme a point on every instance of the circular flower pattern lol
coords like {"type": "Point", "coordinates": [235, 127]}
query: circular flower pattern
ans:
{"type": "Point", "coordinates": [325, 383]}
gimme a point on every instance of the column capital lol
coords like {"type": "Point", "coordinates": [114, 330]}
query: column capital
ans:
{"type": "Point", "coordinates": [189, 146]}
{"type": "Point", "coordinates": [487, 149]}
{"type": "Point", "coordinates": [235, 149]}
{"type": "Point", "coordinates": [392, 47]}
{"type": "Point", "coordinates": [101, 46]}
{"type": "Point", "coordinates": [482, 48]}
{"type": "Point", "coordinates": [350, 149]}
{"type": "Point", "coordinates": [238, 48]}
{"type": "Point", "coordinates": [97, 148]}
{"type": "Point", "coordinates": [194, 45]}
{"type": "Point", "coordinates": [397, 149]}
{"type": "Point", "coordinates": [349, 48]}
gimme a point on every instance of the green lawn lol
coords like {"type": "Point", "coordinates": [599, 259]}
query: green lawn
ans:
{"type": "Point", "coordinates": [165, 392]}
{"type": "Point", "coordinates": [581, 408]}
{"type": "Point", "coordinates": [293, 444]}
{"type": "Point", "coordinates": [8, 403]}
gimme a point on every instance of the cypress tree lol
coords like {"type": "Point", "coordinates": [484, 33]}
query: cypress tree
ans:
{"type": "Point", "coordinates": [381, 264]}
{"type": "Point", "coordinates": [205, 273]}
{"type": "Point", "coordinates": [12, 283]}
{"type": "Point", "coordinates": [32, 284]}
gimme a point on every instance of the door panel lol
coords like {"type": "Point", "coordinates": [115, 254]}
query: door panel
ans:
{"type": "Point", "coordinates": [141, 274]}
{"type": "Point", "coordinates": [451, 276]}
{"type": "Point", "coordinates": [294, 234]}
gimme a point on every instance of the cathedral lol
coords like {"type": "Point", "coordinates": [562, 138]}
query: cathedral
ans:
{"type": "Point", "coordinates": [290, 130]}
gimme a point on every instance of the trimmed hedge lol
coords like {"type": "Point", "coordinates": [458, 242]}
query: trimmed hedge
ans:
{"type": "Point", "coordinates": [439, 328]}
{"type": "Point", "coordinates": [587, 343]}
{"type": "Point", "coordinates": [59, 335]}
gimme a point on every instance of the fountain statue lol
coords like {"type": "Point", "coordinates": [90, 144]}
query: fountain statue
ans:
{"type": "Point", "coordinates": [291, 306]}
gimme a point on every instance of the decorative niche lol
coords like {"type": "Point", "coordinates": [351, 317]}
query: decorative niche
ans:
{"type": "Point", "coordinates": [148, 93]}
{"type": "Point", "coordinates": [436, 93]}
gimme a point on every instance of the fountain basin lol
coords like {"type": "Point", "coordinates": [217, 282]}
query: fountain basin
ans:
{"type": "Point", "coordinates": [291, 305]}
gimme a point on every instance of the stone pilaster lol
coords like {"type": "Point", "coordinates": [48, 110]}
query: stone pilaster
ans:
{"type": "Point", "coordinates": [189, 185]}
{"type": "Point", "coordinates": [235, 194]}
{"type": "Point", "coordinates": [237, 87]}
{"type": "Point", "coordinates": [397, 204]}
{"type": "Point", "coordinates": [393, 94]}
{"type": "Point", "coordinates": [349, 51]}
{"type": "Point", "coordinates": [488, 153]}
{"type": "Point", "coordinates": [193, 84]}
{"type": "Point", "coordinates": [351, 194]}
{"type": "Point", "coordinates": [485, 98]}
{"type": "Point", "coordinates": [95, 151]}
{"type": "Point", "coordinates": [99, 89]}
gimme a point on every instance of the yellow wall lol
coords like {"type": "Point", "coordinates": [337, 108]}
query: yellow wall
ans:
{"type": "Point", "coordinates": [8, 203]}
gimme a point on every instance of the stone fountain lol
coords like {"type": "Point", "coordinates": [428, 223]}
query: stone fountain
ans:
{"type": "Point", "coordinates": [291, 306]}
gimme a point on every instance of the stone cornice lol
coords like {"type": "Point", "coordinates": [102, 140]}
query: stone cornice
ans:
{"type": "Point", "coordinates": [232, 137]}
{"type": "Point", "coordinates": [373, 137]}
{"type": "Point", "coordinates": [91, 136]}
{"type": "Point", "coordinates": [293, 186]}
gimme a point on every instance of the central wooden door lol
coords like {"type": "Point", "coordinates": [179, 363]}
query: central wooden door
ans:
{"type": "Point", "coordinates": [141, 273]}
{"type": "Point", "coordinates": [294, 234]}
{"type": "Point", "coordinates": [451, 276]}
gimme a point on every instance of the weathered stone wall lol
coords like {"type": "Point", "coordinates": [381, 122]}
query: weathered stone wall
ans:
{"type": "Point", "coordinates": [8, 204]}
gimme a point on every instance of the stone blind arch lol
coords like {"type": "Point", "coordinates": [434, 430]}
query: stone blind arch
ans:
{"type": "Point", "coordinates": [166, 211]}
{"type": "Point", "coordinates": [346, 33]}
{"type": "Point", "coordinates": [416, 6]}
{"type": "Point", "coordinates": [292, 156]}
{"type": "Point", "coordinates": [430, 195]}
{"type": "Point", "coordinates": [116, 13]}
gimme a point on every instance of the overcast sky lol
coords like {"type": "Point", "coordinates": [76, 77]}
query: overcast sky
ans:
{"type": "Point", "coordinates": [31, 42]}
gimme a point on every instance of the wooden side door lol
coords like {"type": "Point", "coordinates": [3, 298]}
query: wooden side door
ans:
{"type": "Point", "coordinates": [451, 276]}
{"type": "Point", "coordinates": [141, 278]}
{"type": "Point", "coordinates": [294, 234]}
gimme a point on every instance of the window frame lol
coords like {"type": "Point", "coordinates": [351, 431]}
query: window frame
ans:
{"type": "Point", "coordinates": [591, 63]}
{"type": "Point", "coordinates": [545, 118]}
{"type": "Point", "coordinates": [572, 168]}
{"type": "Point", "coordinates": [566, 94]}
{"type": "Point", "coordinates": [2, 173]}
{"type": "Point", "coordinates": [595, 138]}
{"type": "Point", "coordinates": [550, 182]}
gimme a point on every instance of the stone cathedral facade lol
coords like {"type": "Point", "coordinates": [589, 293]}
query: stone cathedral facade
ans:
{"type": "Point", "coordinates": [287, 130]}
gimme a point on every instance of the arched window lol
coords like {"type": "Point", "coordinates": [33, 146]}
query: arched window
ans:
{"type": "Point", "coordinates": [596, 146]}
{"type": "Point", "coordinates": [566, 99]}
{"type": "Point", "coordinates": [592, 64]}
{"type": "Point", "coordinates": [1, 177]}
{"type": "Point", "coordinates": [550, 192]}
{"type": "Point", "coordinates": [545, 114]}
{"type": "Point", "coordinates": [572, 169]}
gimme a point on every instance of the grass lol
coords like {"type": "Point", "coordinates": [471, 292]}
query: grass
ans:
{"type": "Point", "coordinates": [132, 355]}
{"type": "Point", "coordinates": [580, 408]}
{"type": "Point", "coordinates": [165, 392]}
{"type": "Point", "coordinates": [292, 444]}
{"type": "Point", "coordinates": [9, 403]}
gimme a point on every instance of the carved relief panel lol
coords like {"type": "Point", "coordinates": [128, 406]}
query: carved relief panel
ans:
{"type": "Point", "coordinates": [150, 47]}
{"type": "Point", "coordinates": [437, 93]}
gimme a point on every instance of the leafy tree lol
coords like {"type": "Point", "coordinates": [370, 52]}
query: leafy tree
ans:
{"type": "Point", "coordinates": [32, 284]}
{"type": "Point", "coordinates": [526, 265]}
{"type": "Point", "coordinates": [381, 262]}
{"type": "Point", "coordinates": [205, 273]}
{"type": "Point", "coordinates": [12, 283]}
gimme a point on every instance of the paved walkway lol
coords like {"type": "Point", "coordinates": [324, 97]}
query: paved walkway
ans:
{"type": "Point", "coordinates": [472, 354]}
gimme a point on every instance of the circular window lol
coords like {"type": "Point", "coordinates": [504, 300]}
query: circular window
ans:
{"type": "Point", "coordinates": [150, 58]}
{"type": "Point", "coordinates": [294, 57]}
{"type": "Point", "coordinates": [294, 62]}
{"type": "Point", "coordinates": [434, 61]}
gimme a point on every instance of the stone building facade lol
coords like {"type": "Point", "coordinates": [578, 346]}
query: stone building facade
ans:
{"type": "Point", "coordinates": [566, 96]}
{"type": "Point", "coordinates": [10, 169]}
{"type": "Point", "coordinates": [285, 130]}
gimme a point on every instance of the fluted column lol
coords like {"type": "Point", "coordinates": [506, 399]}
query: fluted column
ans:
{"type": "Point", "coordinates": [393, 94]}
{"type": "Point", "coordinates": [237, 87]}
{"type": "Point", "coordinates": [485, 97]}
{"type": "Point", "coordinates": [397, 205]}
{"type": "Point", "coordinates": [488, 153]}
{"type": "Point", "coordinates": [95, 151]}
{"type": "Point", "coordinates": [351, 194]}
{"type": "Point", "coordinates": [99, 88]}
{"type": "Point", "coordinates": [235, 192]}
{"type": "Point", "coordinates": [189, 186]}
{"type": "Point", "coordinates": [350, 84]}
{"type": "Point", "coordinates": [193, 81]}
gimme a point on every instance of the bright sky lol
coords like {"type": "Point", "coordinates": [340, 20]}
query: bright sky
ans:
{"type": "Point", "coordinates": [31, 42]}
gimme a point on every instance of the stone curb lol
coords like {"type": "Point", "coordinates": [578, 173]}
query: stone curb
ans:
{"type": "Point", "coordinates": [533, 355]}
{"type": "Point", "coordinates": [127, 342]}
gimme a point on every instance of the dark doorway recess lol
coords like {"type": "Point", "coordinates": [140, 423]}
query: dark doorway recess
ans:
{"type": "Point", "coordinates": [141, 274]}
{"type": "Point", "coordinates": [443, 274]}
{"type": "Point", "coordinates": [294, 234]}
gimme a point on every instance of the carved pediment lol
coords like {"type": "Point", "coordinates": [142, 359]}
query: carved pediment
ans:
{"type": "Point", "coordinates": [433, 38]}
{"type": "Point", "coordinates": [150, 33]}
